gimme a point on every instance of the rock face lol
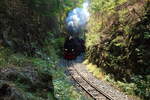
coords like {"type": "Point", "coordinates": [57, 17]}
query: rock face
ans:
{"type": "Point", "coordinates": [32, 78]}
{"type": "Point", "coordinates": [9, 92]}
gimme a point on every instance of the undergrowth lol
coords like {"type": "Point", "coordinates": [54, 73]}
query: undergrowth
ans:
{"type": "Point", "coordinates": [63, 89]}
{"type": "Point", "coordinates": [139, 85]}
{"type": "Point", "coordinates": [117, 44]}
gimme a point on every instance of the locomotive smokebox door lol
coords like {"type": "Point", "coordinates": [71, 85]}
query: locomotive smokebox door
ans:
{"type": "Point", "coordinates": [73, 47]}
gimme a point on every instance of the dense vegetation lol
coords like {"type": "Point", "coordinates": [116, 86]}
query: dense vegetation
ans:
{"type": "Point", "coordinates": [32, 34]}
{"type": "Point", "coordinates": [120, 43]}
{"type": "Point", "coordinates": [31, 37]}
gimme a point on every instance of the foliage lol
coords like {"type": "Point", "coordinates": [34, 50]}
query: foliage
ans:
{"type": "Point", "coordinates": [30, 34]}
{"type": "Point", "coordinates": [63, 88]}
{"type": "Point", "coordinates": [105, 6]}
{"type": "Point", "coordinates": [97, 72]}
{"type": "Point", "coordinates": [65, 91]}
{"type": "Point", "coordinates": [118, 42]}
{"type": "Point", "coordinates": [139, 86]}
{"type": "Point", "coordinates": [17, 60]}
{"type": "Point", "coordinates": [35, 34]}
{"type": "Point", "coordinates": [142, 86]}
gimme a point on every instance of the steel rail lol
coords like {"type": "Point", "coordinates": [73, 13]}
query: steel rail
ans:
{"type": "Point", "coordinates": [72, 70]}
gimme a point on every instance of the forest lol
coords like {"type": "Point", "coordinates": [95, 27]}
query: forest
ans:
{"type": "Point", "coordinates": [32, 37]}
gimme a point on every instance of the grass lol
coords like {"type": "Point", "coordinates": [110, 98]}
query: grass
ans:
{"type": "Point", "coordinates": [97, 72]}
{"type": "Point", "coordinates": [138, 86]}
{"type": "Point", "coordinates": [63, 89]}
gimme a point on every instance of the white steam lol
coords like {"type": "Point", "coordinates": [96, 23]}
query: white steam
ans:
{"type": "Point", "coordinates": [78, 18]}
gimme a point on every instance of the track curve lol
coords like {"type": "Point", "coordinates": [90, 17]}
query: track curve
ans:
{"type": "Point", "coordinates": [86, 86]}
{"type": "Point", "coordinates": [97, 89]}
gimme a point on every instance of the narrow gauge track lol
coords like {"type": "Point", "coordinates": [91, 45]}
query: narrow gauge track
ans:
{"type": "Point", "coordinates": [95, 93]}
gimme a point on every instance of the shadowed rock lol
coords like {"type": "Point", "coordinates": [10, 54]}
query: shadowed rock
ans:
{"type": "Point", "coordinates": [9, 92]}
{"type": "Point", "coordinates": [34, 80]}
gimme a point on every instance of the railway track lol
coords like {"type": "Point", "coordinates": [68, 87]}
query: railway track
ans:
{"type": "Point", "coordinates": [88, 88]}
{"type": "Point", "coordinates": [88, 85]}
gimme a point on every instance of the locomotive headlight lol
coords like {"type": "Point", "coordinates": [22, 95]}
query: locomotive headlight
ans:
{"type": "Point", "coordinates": [72, 49]}
{"type": "Point", "coordinates": [66, 49]}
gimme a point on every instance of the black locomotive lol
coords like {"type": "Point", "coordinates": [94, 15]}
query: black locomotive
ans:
{"type": "Point", "coordinates": [73, 47]}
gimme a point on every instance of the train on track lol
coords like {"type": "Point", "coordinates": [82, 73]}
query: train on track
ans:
{"type": "Point", "coordinates": [73, 47]}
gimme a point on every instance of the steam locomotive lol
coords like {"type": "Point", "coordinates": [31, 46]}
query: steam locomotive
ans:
{"type": "Point", "coordinates": [73, 47]}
